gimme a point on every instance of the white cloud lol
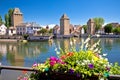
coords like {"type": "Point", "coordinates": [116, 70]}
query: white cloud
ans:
{"type": "Point", "coordinates": [50, 25]}
{"type": "Point", "coordinates": [42, 26]}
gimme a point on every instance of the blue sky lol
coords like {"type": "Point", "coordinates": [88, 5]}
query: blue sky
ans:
{"type": "Point", "coordinates": [49, 11]}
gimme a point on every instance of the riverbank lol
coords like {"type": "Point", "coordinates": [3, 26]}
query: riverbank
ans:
{"type": "Point", "coordinates": [46, 38]}
{"type": "Point", "coordinates": [39, 38]}
{"type": "Point", "coordinates": [106, 36]}
{"type": "Point", "coordinates": [9, 40]}
{"type": "Point", "coordinates": [86, 35]}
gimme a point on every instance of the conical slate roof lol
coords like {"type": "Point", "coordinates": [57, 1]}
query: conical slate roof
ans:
{"type": "Point", "coordinates": [91, 20]}
{"type": "Point", "coordinates": [64, 16]}
{"type": "Point", "coordinates": [17, 11]}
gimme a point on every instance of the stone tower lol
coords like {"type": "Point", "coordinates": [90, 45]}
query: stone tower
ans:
{"type": "Point", "coordinates": [64, 25]}
{"type": "Point", "coordinates": [17, 17]}
{"type": "Point", "coordinates": [91, 27]}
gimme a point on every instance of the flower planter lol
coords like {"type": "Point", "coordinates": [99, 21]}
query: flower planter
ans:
{"type": "Point", "coordinates": [114, 77]}
{"type": "Point", "coordinates": [68, 76]}
{"type": "Point", "coordinates": [63, 76]}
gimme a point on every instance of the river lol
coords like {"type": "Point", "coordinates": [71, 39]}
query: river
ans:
{"type": "Point", "coordinates": [26, 54]}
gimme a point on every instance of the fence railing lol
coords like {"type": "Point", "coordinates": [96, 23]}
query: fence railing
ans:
{"type": "Point", "coordinates": [17, 68]}
{"type": "Point", "coordinates": [111, 77]}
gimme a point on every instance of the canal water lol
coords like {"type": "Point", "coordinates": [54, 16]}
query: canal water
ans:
{"type": "Point", "coordinates": [26, 54]}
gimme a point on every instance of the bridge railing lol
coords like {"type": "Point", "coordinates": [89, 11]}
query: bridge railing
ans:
{"type": "Point", "coordinates": [111, 77]}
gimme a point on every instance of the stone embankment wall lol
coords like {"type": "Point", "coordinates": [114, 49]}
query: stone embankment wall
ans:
{"type": "Point", "coordinates": [10, 37]}
{"type": "Point", "coordinates": [106, 36]}
{"type": "Point", "coordinates": [7, 38]}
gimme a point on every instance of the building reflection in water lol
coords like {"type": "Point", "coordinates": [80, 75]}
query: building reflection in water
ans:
{"type": "Point", "coordinates": [15, 53]}
{"type": "Point", "coordinates": [108, 43]}
{"type": "Point", "coordinates": [19, 54]}
{"type": "Point", "coordinates": [3, 50]}
{"type": "Point", "coordinates": [68, 44]}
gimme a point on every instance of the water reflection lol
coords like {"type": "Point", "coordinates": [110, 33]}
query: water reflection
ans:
{"type": "Point", "coordinates": [15, 53]}
{"type": "Point", "coordinates": [65, 44]}
{"type": "Point", "coordinates": [19, 54]}
{"type": "Point", "coordinates": [108, 43]}
{"type": "Point", "coordinates": [111, 46]}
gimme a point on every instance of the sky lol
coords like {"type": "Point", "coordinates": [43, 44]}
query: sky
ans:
{"type": "Point", "coordinates": [45, 12]}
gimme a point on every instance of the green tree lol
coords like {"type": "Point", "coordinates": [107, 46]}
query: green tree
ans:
{"type": "Point", "coordinates": [8, 16]}
{"type": "Point", "coordinates": [1, 21]}
{"type": "Point", "coordinates": [43, 31]}
{"type": "Point", "coordinates": [10, 12]}
{"type": "Point", "coordinates": [98, 23]}
{"type": "Point", "coordinates": [7, 20]}
{"type": "Point", "coordinates": [85, 28]}
{"type": "Point", "coordinates": [51, 30]}
{"type": "Point", "coordinates": [116, 30]}
{"type": "Point", "coordinates": [108, 28]}
{"type": "Point", "coordinates": [25, 36]}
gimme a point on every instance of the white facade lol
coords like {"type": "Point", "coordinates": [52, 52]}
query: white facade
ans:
{"type": "Point", "coordinates": [27, 28]}
{"type": "Point", "coordinates": [21, 30]}
{"type": "Point", "coordinates": [11, 31]}
{"type": "Point", "coordinates": [82, 31]}
{"type": "Point", "coordinates": [3, 29]}
{"type": "Point", "coordinates": [32, 29]}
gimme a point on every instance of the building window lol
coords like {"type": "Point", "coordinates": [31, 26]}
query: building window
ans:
{"type": "Point", "coordinates": [20, 33]}
{"type": "Point", "coordinates": [20, 28]}
{"type": "Point", "coordinates": [17, 32]}
{"type": "Point", "coordinates": [11, 31]}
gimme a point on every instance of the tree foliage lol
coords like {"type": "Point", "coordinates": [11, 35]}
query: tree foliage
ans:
{"type": "Point", "coordinates": [98, 23]}
{"type": "Point", "coordinates": [51, 30]}
{"type": "Point", "coordinates": [6, 20]}
{"type": "Point", "coordinates": [108, 28]}
{"type": "Point", "coordinates": [10, 12]}
{"type": "Point", "coordinates": [43, 31]}
{"type": "Point", "coordinates": [25, 36]}
{"type": "Point", "coordinates": [8, 16]}
{"type": "Point", "coordinates": [1, 21]}
{"type": "Point", "coordinates": [116, 30]}
{"type": "Point", "coordinates": [85, 28]}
